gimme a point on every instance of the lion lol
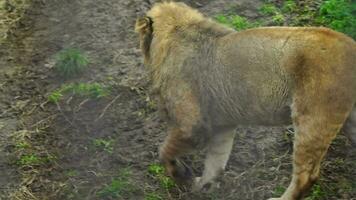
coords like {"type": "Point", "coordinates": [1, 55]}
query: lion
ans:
{"type": "Point", "coordinates": [209, 78]}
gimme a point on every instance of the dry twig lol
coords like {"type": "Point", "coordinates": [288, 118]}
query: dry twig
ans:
{"type": "Point", "coordinates": [106, 107]}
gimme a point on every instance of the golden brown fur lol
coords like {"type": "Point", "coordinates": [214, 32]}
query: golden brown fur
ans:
{"type": "Point", "coordinates": [209, 79]}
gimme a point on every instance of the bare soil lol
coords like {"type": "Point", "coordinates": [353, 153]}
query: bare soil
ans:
{"type": "Point", "coordinates": [261, 158]}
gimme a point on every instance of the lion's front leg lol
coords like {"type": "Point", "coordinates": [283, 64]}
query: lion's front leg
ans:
{"type": "Point", "coordinates": [176, 144]}
{"type": "Point", "coordinates": [183, 135]}
{"type": "Point", "coordinates": [219, 149]}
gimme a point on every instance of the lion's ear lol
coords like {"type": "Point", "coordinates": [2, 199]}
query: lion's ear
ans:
{"type": "Point", "coordinates": [143, 25]}
{"type": "Point", "coordinates": [144, 28]}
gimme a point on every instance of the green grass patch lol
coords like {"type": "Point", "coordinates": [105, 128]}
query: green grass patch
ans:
{"type": "Point", "coordinates": [289, 6]}
{"type": "Point", "coordinates": [236, 22]}
{"type": "Point", "coordinates": [27, 160]}
{"type": "Point", "coordinates": [104, 144]}
{"type": "Point", "coordinates": [33, 159]}
{"type": "Point", "coordinates": [278, 15]}
{"type": "Point", "coordinates": [269, 9]}
{"type": "Point", "coordinates": [90, 90]}
{"type": "Point", "coordinates": [153, 196]}
{"type": "Point", "coordinates": [316, 193]}
{"type": "Point", "coordinates": [339, 15]}
{"type": "Point", "coordinates": [158, 173]}
{"type": "Point", "coordinates": [71, 173]}
{"type": "Point", "coordinates": [278, 191]}
{"type": "Point", "coordinates": [22, 145]}
{"type": "Point", "coordinates": [119, 187]}
{"type": "Point", "coordinates": [156, 169]}
{"type": "Point", "coordinates": [70, 62]}
{"type": "Point", "coordinates": [55, 96]}
{"type": "Point", "coordinates": [278, 19]}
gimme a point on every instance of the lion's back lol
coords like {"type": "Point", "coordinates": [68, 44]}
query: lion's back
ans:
{"type": "Point", "coordinates": [260, 68]}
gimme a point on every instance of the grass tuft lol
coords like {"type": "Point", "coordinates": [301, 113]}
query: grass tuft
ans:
{"type": "Point", "coordinates": [269, 9]}
{"type": "Point", "coordinates": [278, 191]}
{"type": "Point", "coordinates": [70, 62]}
{"type": "Point", "coordinates": [236, 22]}
{"type": "Point", "coordinates": [289, 6]}
{"type": "Point", "coordinates": [71, 173]}
{"type": "Point", "coordinates": [158, 172]}
{"type": "Point", "coordinates": [22, 145]}
{"type": "Point", "coordinates": [119, 187]}
{"type": "Point", "coordinates": [153, 196]}
{"type": "Point", "coordinates": [91, 90]}
{"type": "Point", "coordinates": [316, 193]}
{"type": "Point", "coordinates": [104, 144]}
{"type": "Point", "coordinates": [33, 160]}
{"type": "Point", "coordinates": [55, 96]}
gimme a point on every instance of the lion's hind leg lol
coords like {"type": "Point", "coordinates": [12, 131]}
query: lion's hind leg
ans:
{"type": "Point", "coordinates": [317, 123]}
{"type": "Point", "coordinates": [350, 127]}
{"type": "Point", "coordinates": [310, 146]}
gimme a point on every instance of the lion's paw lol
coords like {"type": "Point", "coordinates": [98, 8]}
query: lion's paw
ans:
{"type": "Point", "coordinates": [205, 187]}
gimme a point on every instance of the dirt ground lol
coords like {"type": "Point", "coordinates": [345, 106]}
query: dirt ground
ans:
{"type": "Point", "coordinates": [258, 168]}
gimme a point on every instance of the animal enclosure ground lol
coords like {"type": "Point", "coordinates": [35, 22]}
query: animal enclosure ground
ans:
{"type": "Point", "coordinates": [105, 146]}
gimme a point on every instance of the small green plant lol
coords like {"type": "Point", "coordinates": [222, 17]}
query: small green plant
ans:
{"type": "Point", "coordinates": [278, 19]}
{"type": "Point", "coordinates": [118, 187]}
{"type": "Point", "coordinates": [316, 193]}
{"type": "Point", "coordinates": [235, 21]}
{"type": "Point", "coordinates": [269, 9]}
{"type": "Point", "coordinates": [71, 173]}
{"type": "Point", "coordinates": [153, 196]}
{"type": "Point", "coordinates": [22, 145]}
{"type": "Point", "coordinates": [223, 19]}
{"type": "Point", "coordinates": [156, 169]}
{"type": "Point", "coordinates": [289, 6]}
{"type": "Point", "coordinates": [27, 160]}
{"type": "Point", "coordinates": [166, 182]}
{"type": "Point", "coordinates": [70, 62]}
{"type": "Point", "coordinates": [104, 144]}
{"type": "Point", "coordinates": [158, 172]}
{"type": "Point", "coordinates": [115, 189]}
{"type": "Point", "coordinates": [55, 96]}
{"type": "Point", "coordinates": [33, 159]}
{"type": "Point", "coordinates": [91, 90]}
{"type": "Point", "coordinates": [278, 191]}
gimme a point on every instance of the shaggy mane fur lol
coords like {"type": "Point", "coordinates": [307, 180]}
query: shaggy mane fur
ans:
{"type": "Point", "coordinates": [173, 22]}
{"type": "Point", "coordinates": [169, 16]}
